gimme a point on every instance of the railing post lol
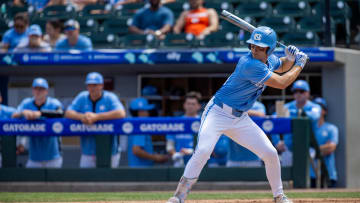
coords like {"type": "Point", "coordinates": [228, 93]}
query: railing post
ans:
{"type": "Point", "coordinates": [103, 150]}
{"type": "Point", "coordinates": [8, 151]}
{"type": "Point", "coordinates": [301, 128]}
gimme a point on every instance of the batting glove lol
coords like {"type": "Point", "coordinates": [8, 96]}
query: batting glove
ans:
{"type": "Point", "coordinates": [301, 59]}
{"type": "Point", "coordinates": [290, 52]}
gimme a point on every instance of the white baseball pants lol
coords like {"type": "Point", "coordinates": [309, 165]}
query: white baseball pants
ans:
{"type": "Point", "coordinates": [216, 121]}
{"type": "Point", "coordinates": [55, 163]}
{"type": "Point", "coordinates": [89, 161]}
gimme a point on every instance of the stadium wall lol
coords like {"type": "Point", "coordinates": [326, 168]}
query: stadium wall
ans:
{"type": "Point", "coordinates": [345, 92]}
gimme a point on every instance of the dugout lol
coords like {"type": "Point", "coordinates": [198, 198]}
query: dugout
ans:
{"type": "Point", "coordinates": [338, 81]}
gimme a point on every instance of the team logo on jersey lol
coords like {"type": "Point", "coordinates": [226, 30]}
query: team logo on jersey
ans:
{"type": "Point", "coordinates": [57, 127]}
{"type": "Point", "coordinates": [268, 125]}
{"type": "Point", "coordinates": [127, 127]}
{"type": "Point", "coordinates": [257, 36]}
{"type": "Point", "coordinates": [195, 126]}
{"type": "Point", "coordinates": [102, 107]}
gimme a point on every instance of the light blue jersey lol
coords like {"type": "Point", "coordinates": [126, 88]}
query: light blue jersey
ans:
{"type": "Point", "coordinates": [6, 111]}
{"type": "Point", "coordinates": [82, 104]}
{"type": "Point", "coordinates": [38, 4]}
{"type": "Point", "coordinates": [13, 38]}
{"type": "Point", "coordinates": [246, 83]}
{"type": "Point", "coordinates": [311, 109]}
{"type": "Point", "coordinates": [143, 141]}
{"type": "Point", "coordinates": [258, 106]}
{"type": "Point", "coordinates": [327, 133]}
{"type": "Point", "coordinates": [42, 148]}
{"type": "Point", "coordinates": [83, 44]}
{"type": "Point", "coordinates": [146, 18]}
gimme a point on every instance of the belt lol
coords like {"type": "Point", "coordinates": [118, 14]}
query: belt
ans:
{"type": "Point", "coordinates": [227, 108]}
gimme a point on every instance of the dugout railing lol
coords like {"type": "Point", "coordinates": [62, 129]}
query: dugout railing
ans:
{"type": "Point", "coordinates": [9, 129]}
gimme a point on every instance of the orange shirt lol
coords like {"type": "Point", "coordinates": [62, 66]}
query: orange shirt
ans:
{"type": "Point", "coordinates": [196, 21]}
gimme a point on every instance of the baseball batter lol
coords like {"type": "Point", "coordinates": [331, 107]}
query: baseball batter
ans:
{"type": "Point", "coordinates": [226, 111]}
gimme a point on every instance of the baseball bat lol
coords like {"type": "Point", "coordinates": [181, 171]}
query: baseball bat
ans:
{"type": "Point", "coordinates": [226, 15]}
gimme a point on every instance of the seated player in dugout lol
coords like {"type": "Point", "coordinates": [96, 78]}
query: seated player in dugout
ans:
{"type": "Point", "coordinates": [181, 146]}
{"type": "Point", "coordinates": [199, 21]}
{"type": "Point", "coordinates": [140, 147]}
{"type": "Point", "coordinates": [95, 104]}
{"type": "Point", "coordinates": [299, 107]}
{"type": "Point", "coordinates": [327, 137]}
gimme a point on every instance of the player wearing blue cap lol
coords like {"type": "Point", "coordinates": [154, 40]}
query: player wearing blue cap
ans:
{"type": "Point", "coordinates": [226, 111]}
{"type": "Point", "coordinates": [6, 112]}
{"type": "Point", "coordinates": [44, 151]}
{"type": "Point", "coordinates": [34, 42]}
{"type": "Point", "coordinates": [301, 106]}
{"type": "Point", "coordinates": [327, 137]}
{"type": "Point", "coordinates": [140, 147]}
{"type": "Point", "coordinates": [91, 106]}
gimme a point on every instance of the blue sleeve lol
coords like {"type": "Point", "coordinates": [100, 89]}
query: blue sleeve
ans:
{"type": "Point", "coordinates": [115, 102]}
{"type": "Point", "coordinates": [58, 104]}
{"type": "Point", "coordinates": [9, 111]}
{"type": "Point", "coordinates": [139, 140]}
{"type": "Point", "coordinates": [136, 19]}
{"type": "Point", "coordinates": [60, 45]}
{"type": "Point", "coordinates": [76, 103]}
{"type": "Point", "coordinates": [334, 134]}
{"type": "Point", "coordinates": [88, 45]}
{"type": "Point", "coordinates": [6, 38]}
{"type": "Point", "coordinates": [22, 105]}
{"type": "Point", "coordinates": [258, 106]}
{"type": "Point", "coordinates": [170, 137]}
{"type": "Point", "coordinates": [275, 139]}
{"type": "Point", "coordinates": [169, 20]}
{"type": "Point", "coordinates": [314, 113]}
{"type": "Point", "coordinates": [256, 72]}
{"type": "Point", "coordinates": [276, 62]}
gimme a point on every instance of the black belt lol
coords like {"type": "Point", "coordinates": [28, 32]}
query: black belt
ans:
{"type": "Point", "coordinates": [227, 108]}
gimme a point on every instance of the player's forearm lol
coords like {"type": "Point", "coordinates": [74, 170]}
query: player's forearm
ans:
{"type": "Point", "coordinates": [286, 65]}
{"type": "Point", "coordinates": [327, 148]}
{"type": "Point", "coordinates": [290, 76]}
{"type": "Point", "coordinates": [71, 114]}
{"type": "Point", "coordinates": [136, 30]}
{"type": "Point", "coordinates": [139, 152]}
{"type": "Point", "coordinates": [116, 114]}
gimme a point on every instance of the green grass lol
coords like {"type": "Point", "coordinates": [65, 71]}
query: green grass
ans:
{"type": "Point", "coordinates": [112, 196]}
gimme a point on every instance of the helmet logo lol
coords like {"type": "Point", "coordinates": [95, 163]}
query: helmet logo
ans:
{"type": "Point", "coordinates": [257, 37]}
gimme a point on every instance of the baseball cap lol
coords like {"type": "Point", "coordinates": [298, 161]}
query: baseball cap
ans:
{"type": "Point", "coordinates": [321, 102]}
{"type": "Point", "coordinates": [141, 104]}
{"type": "Point", "coordinates": [71, 25]}
{"type": "Point", "coordinates": [300, 85]}
{"type": "Point", "coordinates": [40, 82]}
{"type": "Point", "coordinates": [35, 30]}
{"type": "Point", "coordinates": [94, 78]}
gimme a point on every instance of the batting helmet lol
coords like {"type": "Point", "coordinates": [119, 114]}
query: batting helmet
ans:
{"type": "Point", "coordinates": [141, 103]}
{"type": "Point", "coordinates": [263, 37]}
